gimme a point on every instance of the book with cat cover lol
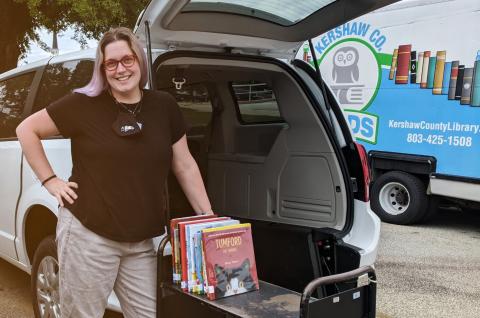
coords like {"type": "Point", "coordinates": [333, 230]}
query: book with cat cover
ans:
{"type": "Point", "coordinates": [453, 80]}
{"type": "Point", "coordinates": [467, 86]}
{"type": "Point", "coordinates": [175, 243]}
{"type": "Point", "coordinates": [183, 249]}
{"type": "Point", "coordinates": [458, 89]}
{"type": "Point", "coordinates": [426, 62]}
{"type": "Point", "coordinates": [439, 69]}
{"type": "Point", "coordinates": [476, 82]}
{"type": "Point", "coordinates": [446, 78]}
{"type": "Point", "coordinates": [394, 64]}
{"type": "Point", "coordinates": [419, 68]}
{"type": "Point", "coordinates": [431, 71]}
{"type": "Point", "coordinates": [230, 261]}
{"type": "Point", "coordinates": [413, 67]}
{"type": "Point", "coordinates": [403, 64]}
{"type": "Point", "coordinates": [190, 231]}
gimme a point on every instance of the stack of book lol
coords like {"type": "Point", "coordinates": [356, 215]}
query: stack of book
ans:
{"type": "Point", "coordinates": [213, 256]}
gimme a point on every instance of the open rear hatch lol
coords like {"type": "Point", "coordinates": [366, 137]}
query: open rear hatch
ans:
{"type": "Point", "coordinates": [270, 27]}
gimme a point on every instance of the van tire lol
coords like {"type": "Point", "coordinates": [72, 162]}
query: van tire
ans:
{"type": "Point", "coordinates": [45, 268]}
{"type": "Point", "coordinates": [399, 198]}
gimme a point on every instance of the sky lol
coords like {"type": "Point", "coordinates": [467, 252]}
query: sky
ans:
{"type": "Point", "coordinates": [65, 45]}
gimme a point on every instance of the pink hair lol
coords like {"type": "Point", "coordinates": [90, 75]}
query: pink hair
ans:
{"type": "Point", "coordinates": [98, 82]}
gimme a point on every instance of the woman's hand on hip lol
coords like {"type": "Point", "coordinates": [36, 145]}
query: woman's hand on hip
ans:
{"type": "Point", "coordinates": [61, 189]}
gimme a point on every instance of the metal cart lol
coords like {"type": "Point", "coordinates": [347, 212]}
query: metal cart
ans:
{"type": "Point", "coordinates": [269, 301]}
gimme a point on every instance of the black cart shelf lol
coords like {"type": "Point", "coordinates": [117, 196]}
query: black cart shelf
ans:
{"type": "Point", "coordinates": [270, 301]}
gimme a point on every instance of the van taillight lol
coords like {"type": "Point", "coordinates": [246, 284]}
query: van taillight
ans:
{"type": "Point", "coordinates": [365, 169]}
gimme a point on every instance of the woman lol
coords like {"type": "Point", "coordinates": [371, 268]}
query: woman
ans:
{"type": "Point", "coordinates": [123, 141]}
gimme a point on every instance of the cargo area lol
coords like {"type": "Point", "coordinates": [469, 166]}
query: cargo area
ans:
{"type": "Point", "coordinates": [266, 159]}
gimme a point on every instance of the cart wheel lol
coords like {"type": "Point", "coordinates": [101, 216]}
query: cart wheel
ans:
{"type": "Point", "coordinates": [399, 198]}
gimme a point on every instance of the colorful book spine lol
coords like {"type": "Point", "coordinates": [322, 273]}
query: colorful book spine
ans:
{"type": "Point", "coordinates": [419, 68]}
{"type": "Point", "coordinates": [198, 273]}
{"type": "Point", "coordinates": [204, 268]}
{"type": "Point", "coordinates": [413, 67]}
{"type": "Point", "coordinates": [426, 60]}
{"type": "Point", "coordinates": [476, 83]}
{"type": "Point", "coordinates": [467, 86]}
{"type": "Point", "coordinates": [394, 64]}
{"type": "Point", "coordinates": [459, 87]}
{"type": "Point", "coordinates": [177, 267]}
{"type": "Point", "coordinates": [403, 64]}
{"type": "Point", "coordinates": [431, 71]}
{"type": "Point", "coordinates": [183, 250]}
{"type": "Point", "coordinates": [453, 80]}
{"type": "Point", "coordinates": [438, 76]}
{"type": "Point", "coordinates": [190, 231]}
{"type": "Point", "coordinates": [446, 77]}
{"type": "Point", "coordinates": [175, 242]}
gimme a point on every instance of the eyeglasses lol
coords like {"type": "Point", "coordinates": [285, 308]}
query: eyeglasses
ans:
{"type": "Point", "coordinates": [127, 61]}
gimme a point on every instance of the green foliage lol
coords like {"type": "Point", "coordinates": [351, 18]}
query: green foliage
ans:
{"type": "Point", "coordinates": [18, 28]}
{"type": "Point", "coordinates": [90, 18]}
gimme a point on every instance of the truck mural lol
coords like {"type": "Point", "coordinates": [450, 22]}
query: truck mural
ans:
{"type": "Point", "coordinates": [408, 79]}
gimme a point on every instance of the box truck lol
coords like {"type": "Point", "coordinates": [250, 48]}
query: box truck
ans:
{"type": "Point", "coordinates": [407, 77]}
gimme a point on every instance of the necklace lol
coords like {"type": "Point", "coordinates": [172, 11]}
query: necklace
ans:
{"type": "Point", "coordinates": [127, 123]}
{"type": "Point", "coordinates": [136, 110]}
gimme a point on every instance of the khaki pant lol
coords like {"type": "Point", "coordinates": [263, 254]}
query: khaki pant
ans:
{"type": "Point", "coordinates": [91, 266]}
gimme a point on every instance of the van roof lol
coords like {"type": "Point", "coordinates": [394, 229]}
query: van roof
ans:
{"type": "Point", "coordinates": [83, 54]}
{"type": "Point", "coordinates": [25, 67]}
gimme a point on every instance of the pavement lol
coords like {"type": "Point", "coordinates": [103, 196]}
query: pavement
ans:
{"type": "Point", "coordinates": [15, 294]}
{"type": "Point", "coordinates": [430, 270]}
{"type": "Point", "coordinates": [15, 298]}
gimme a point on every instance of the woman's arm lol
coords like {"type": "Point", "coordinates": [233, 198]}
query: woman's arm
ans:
{"type": "Point", "coordinates": [29, 132]}
{"type": "Point", "coordinates": [188, 175]}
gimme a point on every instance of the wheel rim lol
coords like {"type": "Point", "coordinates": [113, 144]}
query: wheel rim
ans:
{"type": "Point", "coordinates": [48, 288]}
{"type": "Point", "coordinates": [394, 198]}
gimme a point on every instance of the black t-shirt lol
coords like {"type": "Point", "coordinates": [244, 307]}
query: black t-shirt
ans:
{"type": "Point", "coordinates": [121, 179]}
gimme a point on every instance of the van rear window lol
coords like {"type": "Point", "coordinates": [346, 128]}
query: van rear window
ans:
{"type": "Point", "coordinates": [284, 12]}
{"type": "Point", "coordinates": [195, 104]}
{"type": "Point", "coordinates": [13, 95]}
{"type": "Point", "coordinates": [60, 79]}
{"type": "Point", "coordinates": [256, 102]}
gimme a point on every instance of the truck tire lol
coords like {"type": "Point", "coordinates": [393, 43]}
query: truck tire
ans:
{"type": "Point", "coordinates": [433, 206]}
{"type": "Point", "coordinates": [45, 279]}
{"type": "Point", "coordinates": [399, 198]}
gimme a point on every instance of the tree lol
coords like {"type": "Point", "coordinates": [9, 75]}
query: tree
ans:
{"type": "Point", "coordinates": [18, 28]}
{"type": "Point", "coordinates": [89, 18]}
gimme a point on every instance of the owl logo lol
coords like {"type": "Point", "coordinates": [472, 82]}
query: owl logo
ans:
{"type": "Point", "coordinates": [345, 65]}
{"type": "Point", "coordinates": [351, 68]}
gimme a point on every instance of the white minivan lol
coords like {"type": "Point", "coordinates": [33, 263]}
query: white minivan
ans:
{"type": "Point", "coordinates": [269, 137]}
